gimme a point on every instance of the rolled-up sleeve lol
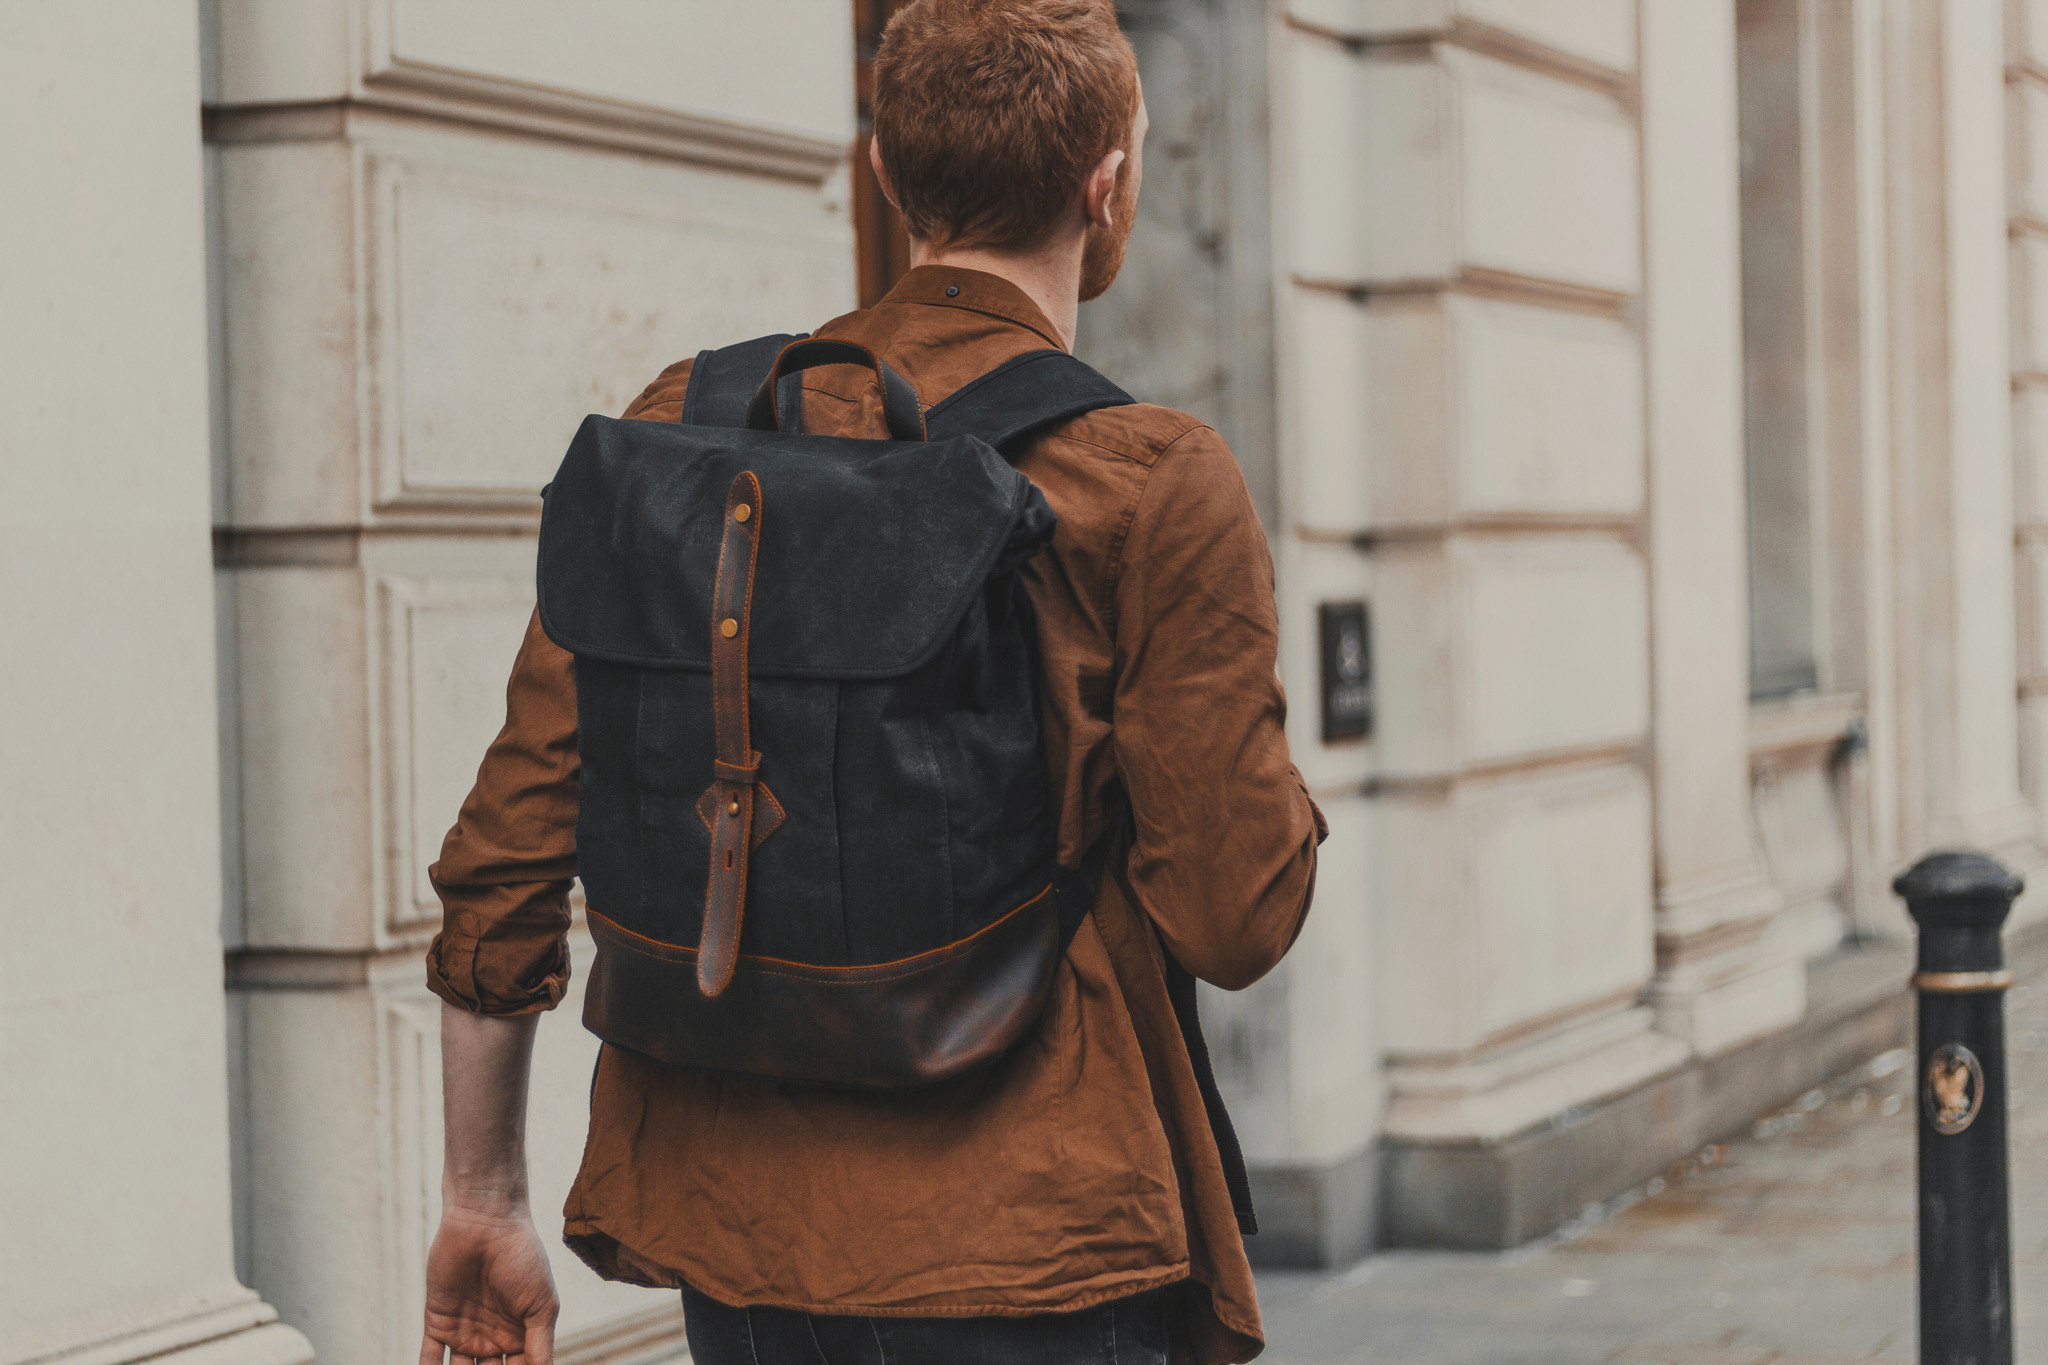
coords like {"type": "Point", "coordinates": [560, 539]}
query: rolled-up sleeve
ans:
{"type": "Point", "coordinates": [1225, 851]}
{"type": "Point", "coordinates": [507, 865]}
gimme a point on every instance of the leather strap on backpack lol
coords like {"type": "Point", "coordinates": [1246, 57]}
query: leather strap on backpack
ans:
{"type": "Point", "coordinates": [728, 806]}
{"type": "Point", "coordinates": [899, 400]}
{"type": "Point", "coordinates": [1021, 398]}
{"type": "Point", "coordinates": [723, 380]}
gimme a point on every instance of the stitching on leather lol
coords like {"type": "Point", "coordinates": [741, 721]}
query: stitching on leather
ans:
{"type": "Point", "coordinates": [725, 896]}
{"type": "Point", "coordinates": [753, 539]}
{"type": "Point", "coordinates": [707, 812]}
{"type": "Point", "coordinates": [873, 971]}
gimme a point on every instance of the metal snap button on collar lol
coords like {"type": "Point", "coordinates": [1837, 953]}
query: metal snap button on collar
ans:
{"type": "Point", "coordinates": [742, 512]}
{"type": "Point", "coordinates": [952, 291]}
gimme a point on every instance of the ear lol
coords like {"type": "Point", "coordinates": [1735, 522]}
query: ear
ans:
{"type": "Point", "coordinates": [882, 174]}
{"type": "Point", "coordinates": [1100, 188]}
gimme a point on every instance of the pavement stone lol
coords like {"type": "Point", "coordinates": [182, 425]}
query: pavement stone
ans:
{"type": "Point", "coordinates": [1791, 1246]}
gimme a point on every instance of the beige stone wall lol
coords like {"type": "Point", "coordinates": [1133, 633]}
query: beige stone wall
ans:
{"type": "Point", "coordinates": [113, 1132]}
{"type": "Point", "coordinates": [445, 234]}
{"type": "Point", "coordinates": [1462, 358]}
{"type": "Point", "coordinates": [1513, 253]}
{"type": "Point", "coordinates": [1503, 251]}
{"type": "Point", "coordinates": [2026, 77]}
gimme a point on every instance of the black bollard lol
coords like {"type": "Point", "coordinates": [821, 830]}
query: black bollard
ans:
{"type": "Point", "coordinates": [1960, 901]}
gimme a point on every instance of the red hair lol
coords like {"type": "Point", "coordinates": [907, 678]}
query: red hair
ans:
{"type": "Point", "coordinates": [988, 113]}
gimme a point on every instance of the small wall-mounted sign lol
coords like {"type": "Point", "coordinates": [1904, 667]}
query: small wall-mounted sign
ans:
{"type": "Point", "coordinates": [1346, 634]}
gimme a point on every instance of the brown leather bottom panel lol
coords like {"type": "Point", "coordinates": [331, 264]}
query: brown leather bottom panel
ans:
{"type": "Point", "coordinates": [890, 1026]}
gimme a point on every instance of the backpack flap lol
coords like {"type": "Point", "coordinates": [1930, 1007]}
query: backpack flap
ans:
{"type": "Point", "coordinates": [872, 551]}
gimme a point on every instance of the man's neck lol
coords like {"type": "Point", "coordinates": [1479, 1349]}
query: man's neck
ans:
{"type": "Point", "coordinates": [1050, 276]}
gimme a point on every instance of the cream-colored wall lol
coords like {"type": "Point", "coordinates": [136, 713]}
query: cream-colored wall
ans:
{"type": "Point", "coordinates": [443, 239]}
{"type": "Point", "coordinates": [1505, 379]}
{"type": "Point", "coordinates": [113, 1138]}
{"type": "Point", "coordinates": [1465, 378]}
{"type": "Point", "coordinates": [2026, 57]}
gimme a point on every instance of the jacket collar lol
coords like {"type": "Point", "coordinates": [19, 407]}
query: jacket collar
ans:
{"type": "Point", "coordinates": [975, 291]}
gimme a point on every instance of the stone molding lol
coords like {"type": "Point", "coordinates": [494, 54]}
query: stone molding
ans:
{"type": "Point", "coordinates": [1479, 36]}
{"type": "Point", "coordinates": [243, 1331]}
{"type": "Point", "coordinates": [377, 74]}
{"type": "Point", "coordinates": [1493, 1096]}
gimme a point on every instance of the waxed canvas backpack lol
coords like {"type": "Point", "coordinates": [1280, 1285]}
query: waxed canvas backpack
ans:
{"type": "Point", "coordinates": [816, 831]}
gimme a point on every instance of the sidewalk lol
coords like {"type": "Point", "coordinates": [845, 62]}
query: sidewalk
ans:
{"type": "Point", "coordinates": [1792, 1246]}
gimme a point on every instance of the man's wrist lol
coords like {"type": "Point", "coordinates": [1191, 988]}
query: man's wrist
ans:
{"type": "Point", "coordinates": [490, 1199]}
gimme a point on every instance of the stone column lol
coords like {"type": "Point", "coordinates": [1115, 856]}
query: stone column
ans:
{"type": "Point", "coordinates": [1951, 363]}
{"type": "Point", "coordinates": [1989, 810]}
{"type": "Point", "coordinates": [442, 243]}
{"type": "Point", "coordinates": [114, 1191]}
{"type": "Point", "coordinates": [2027, 106]}
{"type": "Point", "coordinates": [1717, 982]}
{"type": "Point", "coordinates": [1464, 262]}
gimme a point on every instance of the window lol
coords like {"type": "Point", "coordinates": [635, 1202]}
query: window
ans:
{"type": "Point", "coordinates": [1799, 339]}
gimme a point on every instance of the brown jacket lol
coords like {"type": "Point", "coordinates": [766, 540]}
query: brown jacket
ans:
{"type": "Point", "coordinates": [1081, 1167]}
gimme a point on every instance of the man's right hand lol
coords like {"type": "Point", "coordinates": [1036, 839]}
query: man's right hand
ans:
{"type": "Point", "coordinates": [490, 1293]}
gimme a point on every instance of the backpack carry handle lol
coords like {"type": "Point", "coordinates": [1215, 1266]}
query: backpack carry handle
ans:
{"type": "Point", "coordinates": [899, 400]}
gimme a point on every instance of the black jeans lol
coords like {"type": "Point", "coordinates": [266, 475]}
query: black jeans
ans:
{"type": "Point", "coordinates": [1128, 1331]}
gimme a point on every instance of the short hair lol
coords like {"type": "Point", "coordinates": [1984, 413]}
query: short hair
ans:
{"type": "Point", "coordinates": [989, 112]}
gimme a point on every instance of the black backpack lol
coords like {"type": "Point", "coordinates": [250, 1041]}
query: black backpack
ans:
{"type": "Point", "coordinates": [816, 830]}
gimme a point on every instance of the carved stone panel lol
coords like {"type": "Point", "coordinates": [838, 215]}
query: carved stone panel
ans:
{"type": "Point", "coordinates": [446, 647]}
{"type": "Point", "coordinates": [1463, 165]}
{"type": "Point", "coordinates": [1560, 869]}
{"type": "Point", "coordinates": [2027, 108]}
{"type": "Point", "coordinates": [1426, 408]}
{"type": "Point", "coordinates": [416, 319]}
{"type": "Point", "coordinates": [1499, 650]}
{"type": "Point", "coordinates": [1507, 902]}
{"type": "Point", "coordinates": [511, 300]}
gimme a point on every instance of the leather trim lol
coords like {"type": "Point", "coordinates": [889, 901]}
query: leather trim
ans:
{"type": "Point", "coordinates": [731, 793]}
{"type": "Point", "coordinates": [768, 812]}
{"type": "Point", "coordinates": [899, 400]}
{"type": "Point", "coordinates": [881, 1026]}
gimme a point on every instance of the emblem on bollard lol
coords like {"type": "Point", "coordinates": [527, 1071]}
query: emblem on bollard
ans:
{"type": "Point", "coordinates": [1954, 1091]}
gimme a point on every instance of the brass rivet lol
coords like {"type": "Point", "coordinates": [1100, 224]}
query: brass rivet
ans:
{"type": "Point", "coordinates": [728, 627]}
{"type": "Point", "coordinates": [742, 512]}
{"type": "Point", "coordinates": [733, 809]}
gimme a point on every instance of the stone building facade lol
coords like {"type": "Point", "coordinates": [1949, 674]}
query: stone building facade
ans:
{"type": "Point", "coordinates": [1667, 379]}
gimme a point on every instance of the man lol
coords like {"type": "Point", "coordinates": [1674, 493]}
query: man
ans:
{"type": "Point", "coordinates": [1075, 1200]}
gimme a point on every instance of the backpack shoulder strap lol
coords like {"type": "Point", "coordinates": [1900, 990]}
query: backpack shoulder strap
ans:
{"type": "Point", "coordinates": [1021, 398]}
{"type": "Point", "coordinates": [722, 381]}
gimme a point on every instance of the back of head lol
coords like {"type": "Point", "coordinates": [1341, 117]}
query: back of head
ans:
{"type": "Point", "coordinates": [988, 113]}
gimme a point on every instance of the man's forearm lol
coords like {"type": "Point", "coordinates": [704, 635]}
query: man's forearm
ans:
{"type": "Point", "coordinates": [485, 1062]}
